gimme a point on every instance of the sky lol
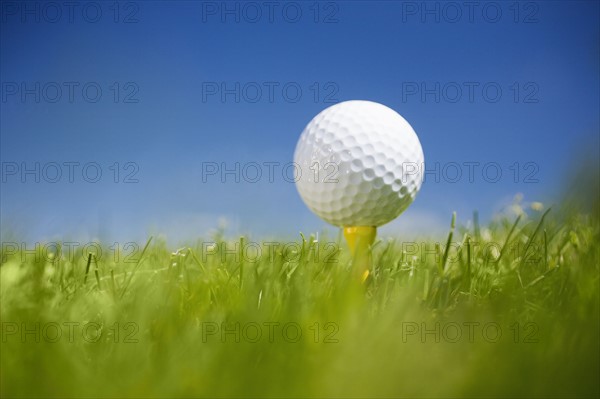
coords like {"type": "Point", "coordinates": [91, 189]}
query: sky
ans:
{"type": "Point", "coordinates": [114, 116]}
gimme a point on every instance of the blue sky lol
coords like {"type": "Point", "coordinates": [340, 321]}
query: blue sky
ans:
{"type": "Point", "coordinates": [171, 60]}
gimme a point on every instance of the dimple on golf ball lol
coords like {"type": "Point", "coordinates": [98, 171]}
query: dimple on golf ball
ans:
{"type": "Point", "coordinates": [359, 163]}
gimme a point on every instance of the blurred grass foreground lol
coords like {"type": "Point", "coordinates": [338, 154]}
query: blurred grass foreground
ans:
{"type": "Point", "coordinates": [510, 309]}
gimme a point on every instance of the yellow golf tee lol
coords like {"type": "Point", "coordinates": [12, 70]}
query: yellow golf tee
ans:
{"type": "Point", "coordinates": [359, 238]}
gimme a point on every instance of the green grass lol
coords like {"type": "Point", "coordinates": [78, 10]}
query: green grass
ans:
{"type": "Point", "coordinates": [536, 280]}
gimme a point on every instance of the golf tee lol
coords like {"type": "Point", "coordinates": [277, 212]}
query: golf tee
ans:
{"type": "Point", "coordinates": [359, 238]}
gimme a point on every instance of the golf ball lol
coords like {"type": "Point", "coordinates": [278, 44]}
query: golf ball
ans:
{"type": "Point", "coordinates": [358, 163]}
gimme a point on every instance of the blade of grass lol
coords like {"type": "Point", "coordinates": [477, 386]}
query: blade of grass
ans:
{"type": "Point", "coordinates": [469, 264]}
{"type": "Point", "coordinates": [197, 261]}
{"type": "Point", "coordinates": [540, 278]}
{"type": "Point", "coordinates": [303, 249]}
{"type": "Point", "coordinates": [508, 237]}
{"type": "Point", "coordinates": [535, 232]}
{"type": "Point", "coordinates": [186, 272]}
{"type": "Point", "coordinates": [448, 242]}
{"type": "Point", "coordinates": [112, 282]}
{"type": "Point", "coordinates": [460, 259]}
{"type": "Point", "coordinates": [426, 285]}
{"type": "Point", "coordinates": [545, 250]}
{"type": "Point", "coordinates": [87, 268]}
{"type": "Point", "coordinates": [476, 228]}
{"type": "Point", "coordinates": [138, 263]}
{"type": "Point", "coordinates": [97, 276]}
{"type": "Point", "coordinates": [241, 255]}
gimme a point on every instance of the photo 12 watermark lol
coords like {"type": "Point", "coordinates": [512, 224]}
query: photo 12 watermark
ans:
{"type": "Point", "coordinates": [70, 12]}
{"type": "Point", "coordinates": [269, 92]}
{"type": "Point", "coordinates": [470, 12]}
{"type": "Point", "coordinates": [271, 12]}
{"type": "Point", "coordinates": [69, 172]}
{"type": "Point", "coordinates": [52, 332]}
{"type": "Point", "coordinates": [416, 253]}
{"type": "Point", "coordinates": [55, 251]}
{"type": "Point", "coordinates": [269, 332]}
{"type": "Point", "coordinates": [470, 92]}
{"type": "Point", "coordinates": [70, 92]}
{"type": "Point", "coordinates": [471, 332]}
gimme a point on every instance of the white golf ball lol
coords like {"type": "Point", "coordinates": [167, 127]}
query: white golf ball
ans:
{"type": "Point", "coordinates": [358, 163]}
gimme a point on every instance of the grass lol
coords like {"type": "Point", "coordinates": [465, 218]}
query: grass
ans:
{"type": "Point", "coordinates": [504, 310]}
